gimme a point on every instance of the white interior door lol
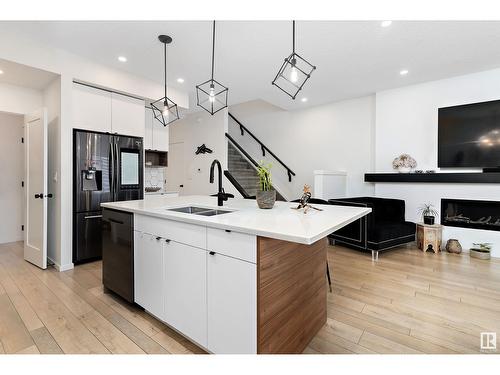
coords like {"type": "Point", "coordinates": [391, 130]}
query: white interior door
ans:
{"type": "Point", "coordinates": [176, 170]}
{"type": "Point", "coordinates": [35, 147]}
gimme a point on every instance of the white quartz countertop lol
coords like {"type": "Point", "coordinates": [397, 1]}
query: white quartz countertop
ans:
{"type": "Point", "coordinates": [280, 222]}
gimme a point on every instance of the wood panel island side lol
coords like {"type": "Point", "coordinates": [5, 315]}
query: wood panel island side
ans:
{"type": "Point", "coordinates": [243, 281]}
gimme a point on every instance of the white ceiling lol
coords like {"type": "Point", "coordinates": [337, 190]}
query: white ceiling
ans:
{"type": "Point", "coordinates": [353, 58]}
{"type": "Point", "coordinates": [25, 76]}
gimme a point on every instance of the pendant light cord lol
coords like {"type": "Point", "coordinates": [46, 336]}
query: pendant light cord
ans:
{"type": "Point", "coordinates": [213, 49]}
{"type": "Point", "coordinates": [165, 67]}
{"type": "Point", "coordinates": [293, 38]}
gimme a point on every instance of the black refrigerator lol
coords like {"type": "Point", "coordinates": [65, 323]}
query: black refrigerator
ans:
{"type": "Point", "coordinates": [107, 168]}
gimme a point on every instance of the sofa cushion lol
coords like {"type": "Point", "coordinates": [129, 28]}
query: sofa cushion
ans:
{"type": "Point", "coordinates": [384, 231]}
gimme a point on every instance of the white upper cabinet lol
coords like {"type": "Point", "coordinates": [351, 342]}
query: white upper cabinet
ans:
{"type": "Point", "coordinates": [91, 108]}
{"type": "Point", "coordinates": [156, 135]}
{"type": "Point", "coordinates": [103, 111]}
{"type": "Point", "coordinates": [160, 136]}
{"type": "Point", "coordinates": [148, 130]}
{"type": "Point", "coordinates": [127, 116]}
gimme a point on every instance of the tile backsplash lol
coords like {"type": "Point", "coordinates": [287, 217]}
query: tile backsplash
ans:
{"type": "Point", "coordinates": [154, 177]}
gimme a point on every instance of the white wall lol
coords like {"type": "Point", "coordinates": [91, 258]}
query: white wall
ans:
{"type": "Point", "coordinates": [11, 172]}
{"type": "Point", "coordinates": [406, 122]}
{"type": "Point", "coordinates": [20, 100]}
{"type": "Point", "coordinates": [194, 130]}
{"type": "Point", "coordinates": [336, 136]}
{"type": "Point", "coordinates": [52, 101]}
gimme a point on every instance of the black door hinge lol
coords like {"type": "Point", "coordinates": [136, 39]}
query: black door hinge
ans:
{"type": "Point", "coordinates": [22, 183]}
{"type": "Point", "coordinates": [22, 228]}
{"type": "Point", "coordinates": [22, 139]}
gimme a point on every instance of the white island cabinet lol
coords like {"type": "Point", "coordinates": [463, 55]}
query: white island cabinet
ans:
{"type": "Point", "coordinates": [148, 272]}
{"type": "Point", "coordinates": [185, 270]}
{"type": "Point", "coordinates": [232, 305]}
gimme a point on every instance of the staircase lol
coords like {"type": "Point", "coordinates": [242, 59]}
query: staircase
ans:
{"type": "Point", "coordinates": [242, 170]}
{"type": "Point", "coordinates": [244, 173]}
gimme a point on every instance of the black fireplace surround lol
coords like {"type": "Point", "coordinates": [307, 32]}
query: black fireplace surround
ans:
{"type": "Point", "coordinates": [475, 214]}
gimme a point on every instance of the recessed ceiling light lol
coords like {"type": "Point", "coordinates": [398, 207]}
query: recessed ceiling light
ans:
{"type": "Point", "coordinates": [180, 80]}
{"type": "Point", "coordinates": [403, 72]}
{"type": "Point", "coordinates": [122, 59]}
{"type": "Point", "coordinates": [1, 71]}
{"type": "Point", "coordinates": [303, 100]}
{"type": "Point", "coordinates": [386, 23]}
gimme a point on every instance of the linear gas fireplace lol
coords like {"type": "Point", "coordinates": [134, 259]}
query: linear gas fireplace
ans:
{"type": "Point", "coordinates": [470, 214]}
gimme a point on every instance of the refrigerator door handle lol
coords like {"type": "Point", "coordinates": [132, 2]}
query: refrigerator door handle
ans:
{"type": "Point", "coordinates": [116, 166]}
{"type": "Point", "coordinates": [112, 171]}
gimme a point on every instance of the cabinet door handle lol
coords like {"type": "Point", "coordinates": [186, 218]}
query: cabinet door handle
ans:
{"type": "Point", "coordinates": [158, 238]}
{"type": "Point", "coordinates": [212, 252]}
{"type": "Point", "coordinates": [227, 230]}
{"type": "Point", "coordinates": [167, 240]}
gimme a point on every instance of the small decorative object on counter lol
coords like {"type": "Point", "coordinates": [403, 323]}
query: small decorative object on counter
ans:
{"type": "Point", "coordinates": [428, 213]}
{"type": "Point", "coordinates": [266, 195]}
{"type": "Point", "coordinates": [481, 251]}
{"type": "Point", "coordinates": [404, 163]}
{"type": "Point", "coordinates": [304, 201]}
{"type": "Point", "coordinates": [453, 246]}
{"type": "Point", "coordinates": [203, 150]}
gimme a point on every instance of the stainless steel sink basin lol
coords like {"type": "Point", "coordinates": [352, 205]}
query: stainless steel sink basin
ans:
{"type": "Point", "coordinates": [212, 212]}
{"type": "Point", "coordinates": [189, 210]}
{"type": "Point", "coordinates": [203, 211]}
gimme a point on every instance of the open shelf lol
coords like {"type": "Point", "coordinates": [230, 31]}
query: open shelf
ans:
{"type": "Point", "coordinates": [464, 178]}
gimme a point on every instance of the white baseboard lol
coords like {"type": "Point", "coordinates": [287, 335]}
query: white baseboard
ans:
{"type": "Point", "coordinates": [61, 268]}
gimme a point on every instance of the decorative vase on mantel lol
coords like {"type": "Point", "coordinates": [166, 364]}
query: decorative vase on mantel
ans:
{"type": "Point", "coordinates": [404, 163]}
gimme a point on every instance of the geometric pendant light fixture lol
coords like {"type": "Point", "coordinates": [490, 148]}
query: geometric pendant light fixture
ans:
{"type": "Point", "coordinates": [164, 109]}
{"type": "Point", "coordinates": [294, 72]}
{"type": "Point", "coordinates": [212, 95]}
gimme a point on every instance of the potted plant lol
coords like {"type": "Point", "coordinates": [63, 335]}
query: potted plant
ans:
{"type": "Point", "coordinates": [481, 251]}
{"type": "Point", "coordinates": [404, 163]}
{"type": "Point", "coordinates": [428, 213]}
{"type": "Point", "coordinates": [266, 195]}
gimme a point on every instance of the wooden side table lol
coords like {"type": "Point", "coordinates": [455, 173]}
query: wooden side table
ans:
{"type": "Point", "coordinates": [429, 237]}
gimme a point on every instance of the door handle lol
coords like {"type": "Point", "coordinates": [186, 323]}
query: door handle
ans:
{"type": "Point", "coordinates": [49, 195]}
{"type": "Point", "coordinates": [39, 196]}
{"type": "Point", "coordinates": [92, 217]}
{"type": "Point", "coordinates": [211, 252]}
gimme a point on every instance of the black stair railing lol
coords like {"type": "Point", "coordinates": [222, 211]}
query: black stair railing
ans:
{"type": "Point", "coordinates": [263, 147]}
{"type": "Point", "coordinates": [237, 185]}
{"type": "Point", "coordinates": [242, 150]}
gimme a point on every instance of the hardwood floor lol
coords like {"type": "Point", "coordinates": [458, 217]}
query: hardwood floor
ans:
{"type": "Point", "coordinates": [407, 302]}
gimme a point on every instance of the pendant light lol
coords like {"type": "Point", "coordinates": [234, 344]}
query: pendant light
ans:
{"type": "Point", "coordinates": [211, 95]}
{"type": "Point", "coordinates": [294, 72]}
{"type": "Point", "coordinates": [164, 109]}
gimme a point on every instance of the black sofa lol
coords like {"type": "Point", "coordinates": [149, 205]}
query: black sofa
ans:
{"type": "Point", "coordinates": [383, 228]}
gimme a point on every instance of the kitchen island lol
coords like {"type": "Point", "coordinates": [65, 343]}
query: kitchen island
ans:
{"type": "Point", "coordinates": [233, 279]}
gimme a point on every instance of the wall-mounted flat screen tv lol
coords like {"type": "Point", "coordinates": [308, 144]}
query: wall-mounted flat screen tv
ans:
{"type": "Point", "coordinates": [469, 136]}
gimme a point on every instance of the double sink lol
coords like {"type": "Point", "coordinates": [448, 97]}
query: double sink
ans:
{"type": "Point", "coordinates": [202, 211]}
